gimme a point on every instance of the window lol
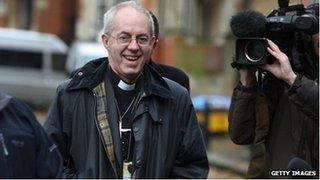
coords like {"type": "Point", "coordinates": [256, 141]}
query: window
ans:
{"type": "Point", "coordinates": [20, 59]}
{"type": "Point", "coordinates": [32, 60]}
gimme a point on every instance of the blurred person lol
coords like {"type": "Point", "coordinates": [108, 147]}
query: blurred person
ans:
{"type": "Point", "coordinates": [167, 71]}
{"type": "Point", "coordinates": [118, 118]}
{"type": "Point", "coordinates": [280, 117]}
{"type": "Point", "coordinates": [26, 151]}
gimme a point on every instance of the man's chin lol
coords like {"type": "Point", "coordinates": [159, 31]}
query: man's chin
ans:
{"type": "Point", "coordinates": [131, 76]}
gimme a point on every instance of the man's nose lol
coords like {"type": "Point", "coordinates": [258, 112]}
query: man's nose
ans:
{"type": "Point", "coordinates": [133, 45]}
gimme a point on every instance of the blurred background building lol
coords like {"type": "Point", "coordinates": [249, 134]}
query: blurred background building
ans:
{"type": "Point", "coordinates": [194, 34]}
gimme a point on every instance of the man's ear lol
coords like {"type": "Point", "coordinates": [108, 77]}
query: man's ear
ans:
{"type": "Point", "coordinates": [105, 41]}
{"type": "Point", "coordinates": [155, 43]}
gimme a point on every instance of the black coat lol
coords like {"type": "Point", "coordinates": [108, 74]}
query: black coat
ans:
{"type": "Point", "coordinates": [26, 151]}
{"type": "Point", "coordinates": [168, 140]}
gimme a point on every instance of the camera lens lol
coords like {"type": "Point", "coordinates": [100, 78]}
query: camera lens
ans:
{"type": "Point", "coordinates": [254, 50]}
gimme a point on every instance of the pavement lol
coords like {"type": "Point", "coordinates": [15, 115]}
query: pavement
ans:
{"type": "Point", "coordinates": [230, 159]}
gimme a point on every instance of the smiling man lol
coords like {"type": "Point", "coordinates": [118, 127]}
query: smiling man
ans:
{"type": "Point", "coordinates": [129, 42]}
{"type": "Point", "coordinates": [118, 118]}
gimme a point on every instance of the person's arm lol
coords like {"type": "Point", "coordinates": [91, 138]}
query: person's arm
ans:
{"type": "Point", "coordinates": [54, 126]}
{"type": "Point", "coordinates": [49, 160]}
{"type": "Point", "coordinates": [191, 161]}
{"type": "Point", "coordinates": [304, 93]}
{"type": "Point", "coordinates": [242, 109]}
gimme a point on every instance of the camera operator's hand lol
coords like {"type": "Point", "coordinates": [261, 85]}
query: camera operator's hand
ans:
{"type": "Point", "coordinates": [281, 67]}
{"type": "Point", "coordinates": [247, 75]}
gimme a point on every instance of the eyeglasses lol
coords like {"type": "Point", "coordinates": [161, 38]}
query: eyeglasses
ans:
{"type": "Point", "coordinates": [125, 39]}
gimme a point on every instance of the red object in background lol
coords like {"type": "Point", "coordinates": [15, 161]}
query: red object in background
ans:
{"type": "Point", "coordinates": [164, 52]}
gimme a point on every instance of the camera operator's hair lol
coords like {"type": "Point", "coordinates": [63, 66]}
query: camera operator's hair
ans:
{"type": "Point", "coordinates": [110, 14]}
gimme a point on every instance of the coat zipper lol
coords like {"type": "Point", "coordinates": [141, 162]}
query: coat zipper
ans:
{"type": "Point", "coordinates": [6, 154]}
{"type": "Point", "coordinates": [5, 150]}
{"type": "Point", "coordinates": [141, 95]}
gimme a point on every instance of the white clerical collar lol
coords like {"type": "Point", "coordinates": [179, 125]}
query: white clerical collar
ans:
{"type": "Point", "coordinates": [125, 86]}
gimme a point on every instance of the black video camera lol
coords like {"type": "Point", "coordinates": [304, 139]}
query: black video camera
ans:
{"type": "Point", "coordinates": [281, 26]}
{"type": "Point", "coordinates": [252, 51]}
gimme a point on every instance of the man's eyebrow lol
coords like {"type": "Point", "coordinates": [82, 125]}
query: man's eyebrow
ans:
{"type": "Point", "coordinates": [126, 33]}
{"type": "Point", "coordinates": [123, 32]}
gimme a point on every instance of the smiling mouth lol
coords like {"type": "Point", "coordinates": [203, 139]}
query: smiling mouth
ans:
{"type": "Point", "coordinates": [131, 58]}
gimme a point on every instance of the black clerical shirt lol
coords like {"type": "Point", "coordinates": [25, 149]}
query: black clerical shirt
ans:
{"type": "Point", "coordinates": [125, 100]}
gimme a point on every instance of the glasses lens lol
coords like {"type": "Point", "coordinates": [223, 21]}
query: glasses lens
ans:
{"type": "Point", "coordinates": [143, 40]}
{"type": "Point", "coordinates": [124, 39]}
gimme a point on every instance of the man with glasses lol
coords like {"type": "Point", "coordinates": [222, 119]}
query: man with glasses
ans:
{"type": "Point", "coordinates": [118, 118]}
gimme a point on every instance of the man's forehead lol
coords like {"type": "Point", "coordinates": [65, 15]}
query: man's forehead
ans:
{"type": "Point", "coordinates": [128, 18]}
{"type": "Point", "coordinates": [129, 13]}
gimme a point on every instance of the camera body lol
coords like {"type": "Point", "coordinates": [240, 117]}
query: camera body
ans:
{"type": "Point", "coordinates": [281, 26]}
{"type": "Point", "coordinates": [294, 18]}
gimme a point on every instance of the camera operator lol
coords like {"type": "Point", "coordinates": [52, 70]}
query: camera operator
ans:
{"type": "Point", "coordinates": [280, 117]}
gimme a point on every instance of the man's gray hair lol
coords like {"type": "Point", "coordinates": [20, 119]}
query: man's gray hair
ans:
{"type": "Point", "coordinates": [110, 14]}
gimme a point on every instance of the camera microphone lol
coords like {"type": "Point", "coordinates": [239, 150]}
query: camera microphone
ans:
{"type": "Point", "coordinates": [251, 47]}
{"type": "Point", "coordinates": [248, 23]}
{"type": "Point", "coordinates": [300, 168]}
{"type": "Point", "coordinates": [297, 164]}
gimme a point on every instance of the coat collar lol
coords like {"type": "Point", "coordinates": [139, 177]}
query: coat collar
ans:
{"type": "Point", "coordinates": [92, 74]}
{"type": "Point", "coordinates": [89, 76]}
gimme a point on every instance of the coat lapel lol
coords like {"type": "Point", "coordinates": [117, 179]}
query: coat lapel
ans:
{"type": "Point", "coordinates": [102, 122]}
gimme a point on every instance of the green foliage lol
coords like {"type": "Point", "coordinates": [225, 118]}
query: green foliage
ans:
{"type": "Point", "coordinates": [191, 57]}
{"type": "Point", "coordinates": [190, 60]}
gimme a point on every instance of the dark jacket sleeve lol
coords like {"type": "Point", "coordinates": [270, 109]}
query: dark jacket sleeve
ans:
{"type": "Point", "coordinates": [191, 160]}
{"type": "Point", "coordinates": [49, 161]}
{"type": "Point", "coordinates": [242, 115]}
{"type": "Point", "coordinates": [55, 125]}
{"type": "Point", "coordinates": [304, 93]}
